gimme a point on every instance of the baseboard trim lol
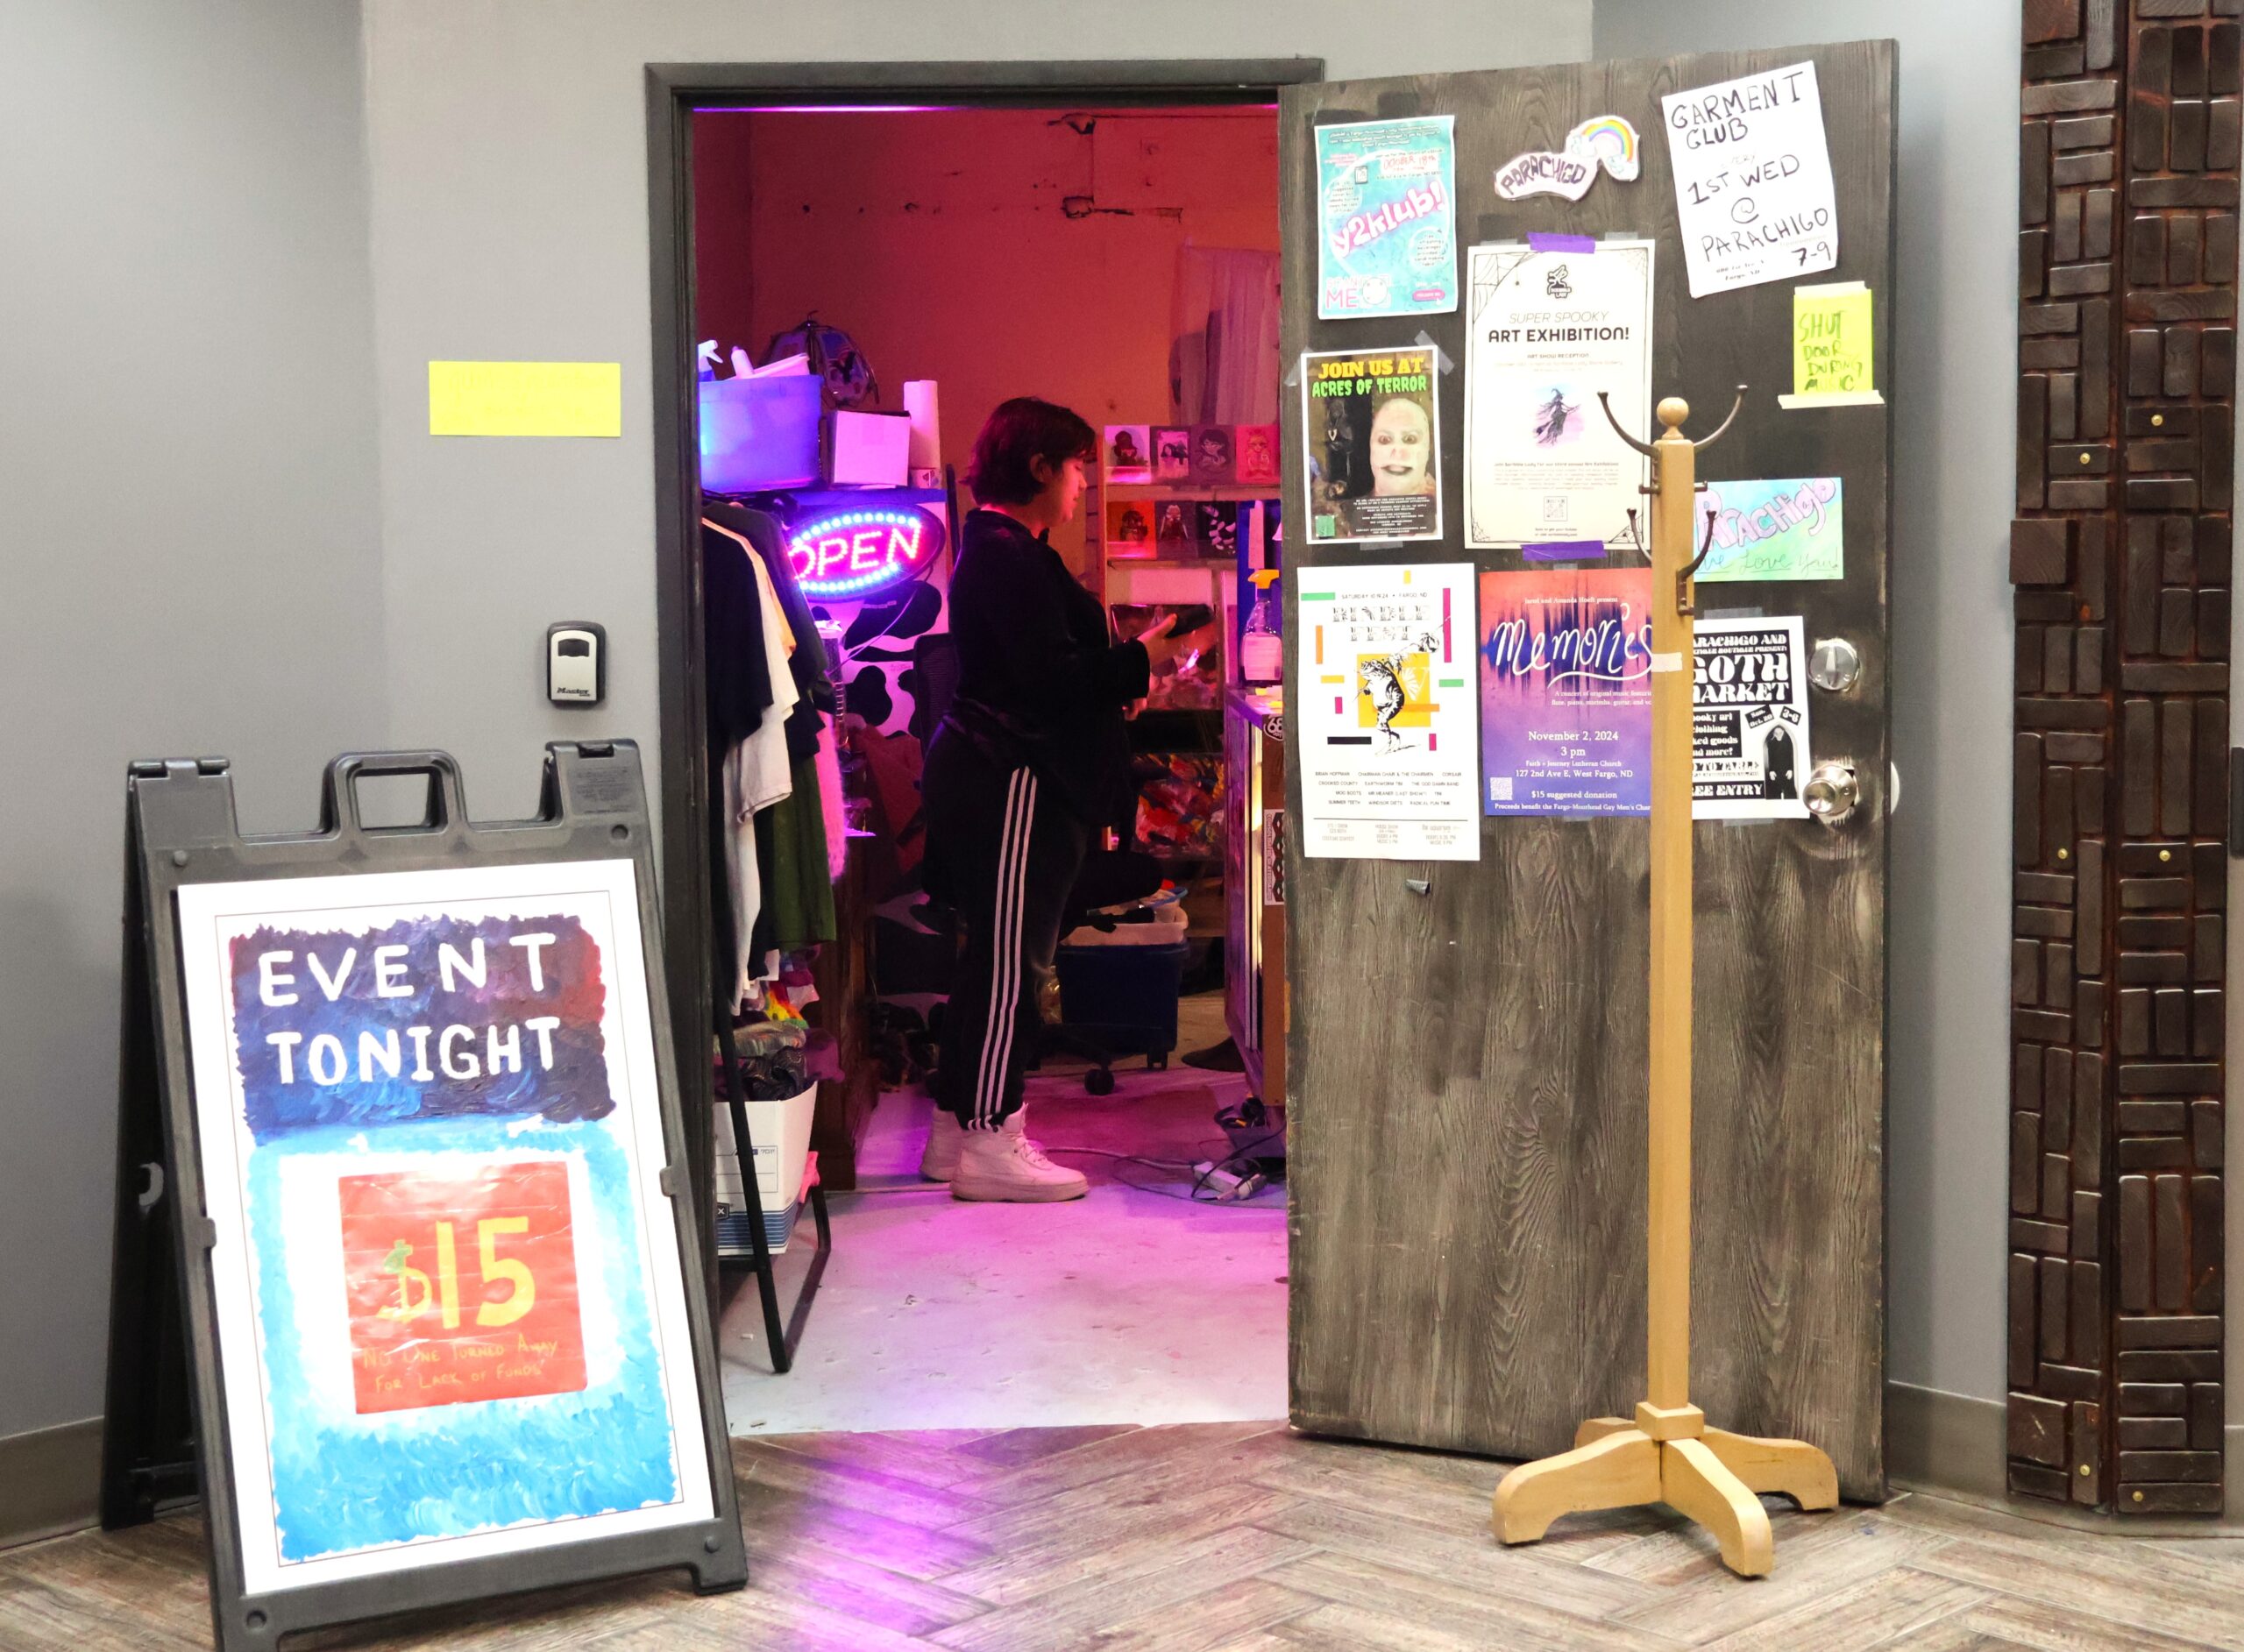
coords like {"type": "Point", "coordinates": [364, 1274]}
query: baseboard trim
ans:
{"type": "Point", "coordinates": [1945, 1442]}
{"type": "Point", "coordinates": [50, 1482]}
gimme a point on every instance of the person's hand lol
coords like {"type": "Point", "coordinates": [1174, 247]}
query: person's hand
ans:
{"type": "Point", "coordinates": [1160, 648]}
{"type": "Point", "coordinates": [1130, 712]}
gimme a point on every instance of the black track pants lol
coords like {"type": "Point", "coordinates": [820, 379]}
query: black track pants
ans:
{"type": "Point", "coordinates": [1007, 852]}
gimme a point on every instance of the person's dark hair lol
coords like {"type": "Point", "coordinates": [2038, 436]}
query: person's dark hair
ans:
{"type": "Point", "coordinates": [1021, 430]}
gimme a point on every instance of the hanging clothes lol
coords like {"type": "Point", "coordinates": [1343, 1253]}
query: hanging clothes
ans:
{"type": "Point", "coordinates": [797, 893]}
{"type": "Point", "coordinates": [736, 671]}
{"type": "Point", "coordinates": [830, 800]}
{"type": "Point", "coordinates": [813, 669]}
{"type": "Point", "coordinates": [757, 771]}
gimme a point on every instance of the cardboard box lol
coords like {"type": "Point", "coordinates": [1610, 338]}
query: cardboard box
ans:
{"type": "Point", "coordinates": [871, 450]}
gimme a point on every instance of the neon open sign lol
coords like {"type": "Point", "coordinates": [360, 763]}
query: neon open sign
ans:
{"type": "Point", "coordinates": [848, 553]}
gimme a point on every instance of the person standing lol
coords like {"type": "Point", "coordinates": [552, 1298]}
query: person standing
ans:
{"type": "Point", "coordinates": [1030, 761]}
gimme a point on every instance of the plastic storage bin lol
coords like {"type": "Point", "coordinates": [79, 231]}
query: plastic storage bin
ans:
{"type": "Point", "coordinates": [782, 1133]}
{"type": "Point", "coordinates": [760, 433]}
{"type": "Point", "coordinates": [1123, 997]}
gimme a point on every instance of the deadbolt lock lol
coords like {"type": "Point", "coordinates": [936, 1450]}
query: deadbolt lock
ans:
{"type": "Point", "coordinates": [1831, 792]}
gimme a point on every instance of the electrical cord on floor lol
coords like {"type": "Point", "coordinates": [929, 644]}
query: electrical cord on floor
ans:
{"type": "Point", "coordinates": [1204, 1188]}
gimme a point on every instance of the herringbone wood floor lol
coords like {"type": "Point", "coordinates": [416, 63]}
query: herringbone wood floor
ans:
{"type": "Point", "coordinates": [1238, 1538]}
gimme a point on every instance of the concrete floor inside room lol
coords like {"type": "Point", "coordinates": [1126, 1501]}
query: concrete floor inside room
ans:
{"type": "Point", "coordinates": [1134, 1305]}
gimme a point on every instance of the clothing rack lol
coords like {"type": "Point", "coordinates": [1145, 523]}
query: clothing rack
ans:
{"type": "Point", "coordinates": [783, 1337]}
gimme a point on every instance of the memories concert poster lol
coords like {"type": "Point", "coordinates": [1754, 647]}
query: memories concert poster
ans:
{"type": "Point", "coordinates": [1565, 692]}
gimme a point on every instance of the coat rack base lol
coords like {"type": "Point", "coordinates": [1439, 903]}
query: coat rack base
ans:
{"type": "Point", "coordinates": [1668, 1455]}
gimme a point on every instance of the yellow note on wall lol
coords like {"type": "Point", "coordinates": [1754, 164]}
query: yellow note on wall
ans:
{"type": "Point", "coordinates": [525, 398]}
{"type": "Point", "coordinates": [1831, 346]}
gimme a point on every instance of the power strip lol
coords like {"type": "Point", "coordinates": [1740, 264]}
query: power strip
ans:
{"type": "Point", "coordinates": [1229, 1188]}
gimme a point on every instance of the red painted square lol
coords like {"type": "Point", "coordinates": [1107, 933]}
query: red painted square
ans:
{"type": "Point", "coordinates": [461, 1288]}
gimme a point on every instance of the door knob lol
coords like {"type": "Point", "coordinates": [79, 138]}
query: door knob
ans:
{"type": "Point", "coordinates": [1830, 793]}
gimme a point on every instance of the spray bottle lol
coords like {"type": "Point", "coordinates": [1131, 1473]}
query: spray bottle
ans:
{"type": "Point", "coordinates": [1261, 655]}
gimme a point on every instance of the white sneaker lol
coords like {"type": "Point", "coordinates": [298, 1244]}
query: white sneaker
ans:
{"type": "Point", "coordinates": [1004, 1164]}
{"type": "Point", "coordinates": [945, 1136]}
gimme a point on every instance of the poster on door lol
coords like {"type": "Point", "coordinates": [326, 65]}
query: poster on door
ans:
{"type": "Point", "coordinates": [1565, 692]}
{"type": "Point", "coordinates": [1753, 192]}
{"type": "Point", "coordinates": [1384, 730]}
{"type": "Point", "coordinates": [1748, 721]}
{"type": "Point", "coordinates": [1371, 444]}
{"type": "Point", "coordinates": [1550, 329]}
{"type": "Point", "coordinates": [1386, 219]}
{"type": "Point", "coordinates": [450, 1303]}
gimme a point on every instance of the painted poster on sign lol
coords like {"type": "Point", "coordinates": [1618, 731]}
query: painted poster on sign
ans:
{"type": "Point", "coordinates": [450, 1309]}
{"type": "Point", "coordinates": [1544, 470]}
{"type": "Point", "coordinates": [1789, 529]}
{"type": "Point", "coordinates": [1371, 444]}
{"type": "Point", "coordinates": [1752, 179]}
{"type": "Point", "coordinates": [1386, 219]}
{"type": "Point", "coordinates": [1565, 692]}
{"type": "Point", "coordinates": [1748, 721]}
{"type": "Point", "coordinates": [1385, 715]}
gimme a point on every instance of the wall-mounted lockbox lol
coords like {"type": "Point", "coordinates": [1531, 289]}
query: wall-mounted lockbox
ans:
{"type": "Point", "coordinates": [576, 664]}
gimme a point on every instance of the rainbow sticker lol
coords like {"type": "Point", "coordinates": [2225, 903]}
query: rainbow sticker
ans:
{"type": "Point", "coordinates": [1612, 140]}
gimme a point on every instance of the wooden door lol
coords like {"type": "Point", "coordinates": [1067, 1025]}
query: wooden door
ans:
{"type": "Point", "coordinates": [1470, 1062]}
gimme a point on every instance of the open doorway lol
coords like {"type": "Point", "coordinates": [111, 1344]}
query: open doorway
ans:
{"type": "Point", "coordinates": [870, 272]}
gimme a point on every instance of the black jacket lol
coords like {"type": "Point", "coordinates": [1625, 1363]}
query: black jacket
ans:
{"type": "Point", "coordinates": [1041, 678]}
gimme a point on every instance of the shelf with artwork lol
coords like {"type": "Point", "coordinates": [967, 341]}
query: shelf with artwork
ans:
{"type": "Point", "coordinates": [1177, 490]}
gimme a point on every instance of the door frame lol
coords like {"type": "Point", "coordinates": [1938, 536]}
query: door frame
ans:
{"type": "Point", "coordinates": [675, 93]}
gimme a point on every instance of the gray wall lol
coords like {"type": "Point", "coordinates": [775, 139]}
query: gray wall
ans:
{"type": "Point", "coordinates": [1954, 396]}
{"type": "Point", "coordinates": [238, 232]}
{"type": "Point", "coordinates": [187, 528]}
{"type": "Point", "coordinates": [509, 148]}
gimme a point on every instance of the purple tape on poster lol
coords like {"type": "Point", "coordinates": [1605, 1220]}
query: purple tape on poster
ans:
{"type": "Point", "coordinates": [1566, 550]}
{"type": "Point", "coordinates": [1539, 242]}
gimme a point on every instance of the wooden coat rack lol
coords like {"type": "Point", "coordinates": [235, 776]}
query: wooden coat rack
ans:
{"type": "Point", "coordinates": [1667, 1454]}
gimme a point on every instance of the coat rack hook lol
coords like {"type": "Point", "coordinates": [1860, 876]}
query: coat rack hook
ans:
{"type": "Point", "coordinates": [1720, 431]}
{"type": "Point", "coordinates": [1683, 604]}
{"type": "Point", "coordinates": [1644, 448]}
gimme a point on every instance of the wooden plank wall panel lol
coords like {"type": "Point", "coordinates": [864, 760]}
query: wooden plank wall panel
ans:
{"type": "Point", "coordinates": [2128, 211]}
{"type": "Point", "coordinates": [1468, 1066]}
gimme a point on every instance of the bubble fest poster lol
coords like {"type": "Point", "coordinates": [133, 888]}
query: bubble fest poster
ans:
{"type": "Point", "coordinates": [1565, 692]}
{"type": "Point", "coordinates": [450, 1302]}
{"type": "Point", "coordinates": [1386, 219]}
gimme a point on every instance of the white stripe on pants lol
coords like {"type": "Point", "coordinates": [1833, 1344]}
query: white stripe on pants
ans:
{"type": "Point", "coordinates": [1005, 947]}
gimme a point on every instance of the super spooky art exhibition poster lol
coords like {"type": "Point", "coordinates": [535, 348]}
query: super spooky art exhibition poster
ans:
{"type": "Point", "coordinates": [1551, 325]}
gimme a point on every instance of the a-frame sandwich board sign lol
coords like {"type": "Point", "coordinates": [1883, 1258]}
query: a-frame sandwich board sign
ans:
{"type": "Point", "coordinates": [407, 1245]}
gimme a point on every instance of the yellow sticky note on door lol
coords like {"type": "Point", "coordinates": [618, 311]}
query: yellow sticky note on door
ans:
{"type": "Point", "coordinates": [525, 398]}
{"type": "Point", "coordinates": [1831, 352]}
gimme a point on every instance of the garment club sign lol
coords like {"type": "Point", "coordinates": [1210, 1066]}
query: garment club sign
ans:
{"type": "Point", "coordinates": [852, 552]}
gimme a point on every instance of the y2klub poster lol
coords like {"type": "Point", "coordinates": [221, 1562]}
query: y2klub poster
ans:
{"type": "Point", "coordinates": [1386, 219]}
{"type": "Point", "coordinates": [449, 1301]}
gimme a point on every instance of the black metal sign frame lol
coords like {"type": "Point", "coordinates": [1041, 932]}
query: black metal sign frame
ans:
{"type": "Point", "coordinates": [166, 1430]}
